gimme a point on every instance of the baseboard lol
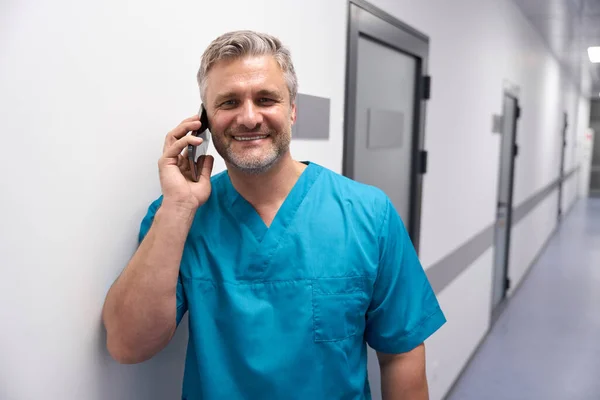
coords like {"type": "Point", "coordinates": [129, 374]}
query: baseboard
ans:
{"type": "Point", "coordinates": [505, 303]}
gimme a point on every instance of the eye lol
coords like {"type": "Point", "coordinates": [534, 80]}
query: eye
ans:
{"type": "Point", "coordinates": [229, 104]}
{"type": "Point", "coordinates": [265, 101]}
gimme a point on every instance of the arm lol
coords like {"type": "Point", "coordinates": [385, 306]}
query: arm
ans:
{"type": "Point", "coordinates": [403, 313]}
{"type": "Point", "coordinates": [140, 309]}
{"type": "Point", "coordinates": [403, 375]}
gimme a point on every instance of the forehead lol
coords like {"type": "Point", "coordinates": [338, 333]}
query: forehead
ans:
{"type": "Point", "coordinates": [246, 73]}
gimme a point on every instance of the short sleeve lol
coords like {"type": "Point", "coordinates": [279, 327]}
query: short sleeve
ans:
{"type": "Point", "coordinates": [404, 310]}
{"type": "Point", "coordinates": [144, 228]}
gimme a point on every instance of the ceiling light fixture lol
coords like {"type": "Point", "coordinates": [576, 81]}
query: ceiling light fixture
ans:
{"type": "Point", "coordinates": [594, 54]}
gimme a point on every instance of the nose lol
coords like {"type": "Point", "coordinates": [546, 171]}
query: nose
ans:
{"type": "Point", "coordinates": [249, 115]}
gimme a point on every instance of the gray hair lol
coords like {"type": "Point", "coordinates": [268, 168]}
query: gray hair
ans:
{"type": "Point", "coordinates": [243, 43]}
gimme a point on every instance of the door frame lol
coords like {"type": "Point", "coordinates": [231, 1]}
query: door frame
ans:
{"type": "Point", "coordinates": [561, 173]}
{"type": "Point", "coordinates": [511, 92]}
{"type": "Point", "coordinates": [368, 20]}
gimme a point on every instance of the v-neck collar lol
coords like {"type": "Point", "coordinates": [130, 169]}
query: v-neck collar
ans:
{"type": "Point", "coordinates": [267, 238]}
{"type": "Point", "coordinates": [245, 213]}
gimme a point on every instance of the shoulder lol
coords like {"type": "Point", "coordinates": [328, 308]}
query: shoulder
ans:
{"type": "Point", "coordinates": [360, 196]}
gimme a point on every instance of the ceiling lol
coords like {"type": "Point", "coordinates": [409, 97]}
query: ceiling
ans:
{"type": "Point", "coordinates": [569, 27]}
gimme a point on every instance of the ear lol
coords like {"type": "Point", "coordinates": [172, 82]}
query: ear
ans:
{"type": "Point", "coordinates": [293, 113]}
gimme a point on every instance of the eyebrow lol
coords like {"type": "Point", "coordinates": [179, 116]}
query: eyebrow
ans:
{"type": "Point", "coordinates": [224, 96]}
{"type": "Point", "coordinates": [263, 92]}
{"type": "Point", "coordinates": [269, 93]}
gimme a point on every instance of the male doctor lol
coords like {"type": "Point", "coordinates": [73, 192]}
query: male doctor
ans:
{"type": "Point", "coordinates": [285, 268]}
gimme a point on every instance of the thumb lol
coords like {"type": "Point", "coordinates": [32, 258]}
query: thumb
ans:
{"type": "Point", "coordinates": [205, 166]}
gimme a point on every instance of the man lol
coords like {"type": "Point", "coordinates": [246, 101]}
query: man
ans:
{"type": "Point", "coordinates": [287, 269]}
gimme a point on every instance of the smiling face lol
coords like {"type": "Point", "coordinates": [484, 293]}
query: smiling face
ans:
{"type": "Point", "coordinates": [250, 114]}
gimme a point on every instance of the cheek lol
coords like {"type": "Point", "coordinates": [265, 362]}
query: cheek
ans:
{"type": "Point", "coordinates": [221, 122]}
{"type": "Point", "coordinates": [279, 120]}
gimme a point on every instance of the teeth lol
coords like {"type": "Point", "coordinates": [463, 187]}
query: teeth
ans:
{"type": "Point", "coordinates": [244, 138]}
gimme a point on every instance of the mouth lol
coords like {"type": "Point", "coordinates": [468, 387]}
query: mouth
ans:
{"type": "Point", "coordinates": [249, 138]}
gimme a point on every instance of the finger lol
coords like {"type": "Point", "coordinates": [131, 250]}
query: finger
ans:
{"type": "Point", "coordinates": [183, 158]}
{"type": "Point", "coordinates": [180, 131]}
{"type": "Point", "coordinates": [205, 166]}
{"type": "Point", "coordinates": [176, 148]}
{"type": "Point", "coordinates": [181, 161]}
{"type": "Point", "coordinates": [185, 165]}
{"type": "Point", "coordinates": [194, 117]}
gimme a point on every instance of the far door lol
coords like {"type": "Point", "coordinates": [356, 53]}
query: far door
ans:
{"type": "Point", "coordinates": [504, 205]}
{"type": "Point", "coordinates": [561, 173]}
{"type": "Point", "coordinates": [385, 104]}
{"type": "Point", "coordinates": [595, 168]}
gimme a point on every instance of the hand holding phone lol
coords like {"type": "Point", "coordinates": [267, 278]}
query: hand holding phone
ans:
{"type": "Point", "coordinates": [174, 167]}
{"type": "Point", "coordinates": [194, 151]}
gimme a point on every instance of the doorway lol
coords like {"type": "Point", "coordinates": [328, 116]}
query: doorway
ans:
{"type": "Point", "coordinates": [561, 173]}
{"type": "Point", "coordinates": [386, 90]}
{"type": "Point", "coordinates": [504, 205]}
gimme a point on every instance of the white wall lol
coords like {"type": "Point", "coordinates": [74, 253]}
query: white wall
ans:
{"type": "Point", "coordinates": [467, 309]}
{"type": "Point", "coordinates": [88, 92]}
{"type": "Point", "coordinates": [586, 145]}
{"type": "Point", "coordinates": [528, 237]}
{"type": "Point", "coordinates": [469, 68]}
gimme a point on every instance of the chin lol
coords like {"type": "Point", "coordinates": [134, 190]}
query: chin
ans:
{"type": "Point", "coordinates": [254, 166]}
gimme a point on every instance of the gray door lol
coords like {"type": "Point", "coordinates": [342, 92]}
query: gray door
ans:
{"type": "Point", "coordinates": [561, 173]}
{"type": "Point", "coordinates": [508, 152]}
{"type": "Point", "coordinates": [384, 121]}
{"type": "Point", "coordinates": [386, 91]}
{"type": "Point", "coordinates": [385, 106]}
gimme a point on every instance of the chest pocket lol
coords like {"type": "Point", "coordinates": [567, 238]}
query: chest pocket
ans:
{"type": "Point", "coordinates": [339, 307]}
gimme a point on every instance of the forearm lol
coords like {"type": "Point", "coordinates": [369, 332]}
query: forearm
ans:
{"type": "Point", "coordinates": [141, 306]}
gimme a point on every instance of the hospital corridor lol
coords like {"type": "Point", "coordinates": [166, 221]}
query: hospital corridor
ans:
{"type": "Point", "coordinates": [544, 345]}
{"type": "Point", "coordinates": [300, 199]}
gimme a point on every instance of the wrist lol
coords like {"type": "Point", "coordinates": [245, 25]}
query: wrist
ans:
{"type": "Point", "coordinates": [178, 211]}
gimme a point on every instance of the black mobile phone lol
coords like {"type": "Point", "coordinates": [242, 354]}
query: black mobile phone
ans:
{"type": "Point", "coordinates": [203, 132]}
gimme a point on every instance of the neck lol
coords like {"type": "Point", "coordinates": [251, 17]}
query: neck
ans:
{"type": "Point", "coordinates": [270, 187]}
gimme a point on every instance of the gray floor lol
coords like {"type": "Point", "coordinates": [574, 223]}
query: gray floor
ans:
{"type": "Point", "coordinates": [546, 343]}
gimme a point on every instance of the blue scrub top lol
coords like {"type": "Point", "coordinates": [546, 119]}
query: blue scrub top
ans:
{"type": "Point", "coordinates": [285, 312]}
